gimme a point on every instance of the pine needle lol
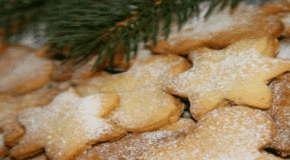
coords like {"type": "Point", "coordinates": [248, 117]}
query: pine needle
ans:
{"type": "Point", "coordinates": [92, 26]}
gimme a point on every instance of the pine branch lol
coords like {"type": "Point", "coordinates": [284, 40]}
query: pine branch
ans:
{"type": "Point", "coordinates": [92, 26]}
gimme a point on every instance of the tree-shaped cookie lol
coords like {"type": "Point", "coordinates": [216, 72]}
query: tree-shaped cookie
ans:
{"type": "Point", "coordinates": [67, 126]}
{"type": "Point", "coordinates": [143, 105]}
{"type": "Point", "coordinates": [236, 74]}
{"type": "Point", "coordinates": [232, 133]}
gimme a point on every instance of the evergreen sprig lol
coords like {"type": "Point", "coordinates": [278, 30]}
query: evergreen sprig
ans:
{"type": "Point", "coordinates": [92, 26]}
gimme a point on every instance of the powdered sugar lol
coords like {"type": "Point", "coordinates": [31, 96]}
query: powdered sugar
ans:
{"type": "Point", "coordinates": [134, 144]}
{"type": "Point", "coordinates": [199, 26]}
{"type": "Point", "coordinates": [68, 121]}
{"type": "Point", "coordinates": [284, 51]}
{"type": "Point", "coordinates": [225, 133]}
{"type": "Point", "coordinates": [217, 74]}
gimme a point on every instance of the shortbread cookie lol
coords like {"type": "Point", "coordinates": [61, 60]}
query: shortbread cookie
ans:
{"type": "Point", "coordinates": [143, 106]}
{"type": "Point", "coordinates": [134, 144]}
{"type": "Point", "coordinates": [146, 75]}
{"type": "Point", "coordinates": [43, 96]}
{"type": "Point", "coordinates": [25, 73]}
{"type": "Point", "coordinates": [280, 113]}
{"type": "Point", "coordinates": [235, 133]}
{"type": "Point", "coordinates": [275, 7]}
{"type": "Point", "coordinates": [11, 130]}
{"type": "Point", "coordinates": [11, 56]}
{"type": "Point", "coordinates": [281, 9]}
{"type": "Point", "coordinates": [220, 29]}
{"type": "Point", "coordinates": [67, 126]}
{"type": "Point", "coordinates": [237, 74]}
{"type": "Point", "coordinates": [143, 110]}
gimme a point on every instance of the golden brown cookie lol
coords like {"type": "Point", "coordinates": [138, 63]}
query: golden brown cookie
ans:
{"type": "Point", "coordinates": [67, 126]}
{"type": "Point", "coordinates": [275, 7]}
{"type": "Point", "coordinates": [43, 96]}
{"type": "Point", "coordinates": [144, 75]}
{"type": "Point", "coordinates": [220, 30]}
{"type": "Point", "coordinates": [237, 74]}
{"type": "Point", "coordinates": [143, 106]}
{"type": "Point", "coordinates": [280, 113]}
{"type": "Point", "coordinates": [234, 133]}
{"type": "Point", "coordinates": [134, 144]}
{"type": "Point", "coordinates": [23, 73]}
{"type": "Point", "coordinates": [12, 131]}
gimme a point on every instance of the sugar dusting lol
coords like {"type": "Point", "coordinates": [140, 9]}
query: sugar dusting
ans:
{"type": "Point", "coordinates": [67, 118]}
{"type": "Point", "coordinates": [280, 112]}
{"type": "Point", "coordinates": [149, 74]}
{"type": "Point", "coordinates": [284, 51]}
{"type": "Point", "coordinates": [221, 72]}
{"type": "Point", "coordinates": [134, 144]}
{"type": "Point", "coordinates": [226, 133]}
{"type": "Point", "coordinates": [158, 71]}
{"type": "Point", "coordinates": [200, 27]}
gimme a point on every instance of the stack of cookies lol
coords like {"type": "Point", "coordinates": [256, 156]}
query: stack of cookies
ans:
{"type": "Point", "coordinates": [217, 89]}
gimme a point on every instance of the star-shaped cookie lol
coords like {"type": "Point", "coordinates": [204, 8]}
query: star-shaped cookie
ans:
{"type": "Point", "coordinates": [143, 105]}
{"type": "Point", "coordinates": [67, 126]}
{"type": "Point", "coordinates": [236, 74]}
{"type": "Point", "coordinates": [232, 133]}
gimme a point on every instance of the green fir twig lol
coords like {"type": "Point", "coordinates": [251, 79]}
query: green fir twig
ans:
{"type": "Point", "coordinates": [92, 26]}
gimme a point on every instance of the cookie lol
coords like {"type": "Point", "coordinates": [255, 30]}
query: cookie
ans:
{"type": "Point", "coordinates": [11, 131]}
{"type": "Point", "coordinates": [145, 75]}
{"type": "Point", "coordinates": [220, 30]}
{"type": "Point", "coordinates": [276, 7]}
{"type": "Point", "coordinates": [9, 105]}
{"type": "Point", "coordinates": [43, 96]}
{"type": "Point", "coordinates": [142, 111]}
{"type": "Point", "coordinates": [280, 113]}
{"type": "Point", "coordinates": [23, 73]}
{"type": "Point", "coordinates": [134, 144]}
{"type": "Point", "coordinates": [143, 106]}
{"type": "Point", "coordinates": [226, 133]}
{"type": "Point", "coordinates": [237, 74]}
{"type": "Point", "coordinates": [13, 55]}
{"type": "Point", "coordinates": [67, 126]}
